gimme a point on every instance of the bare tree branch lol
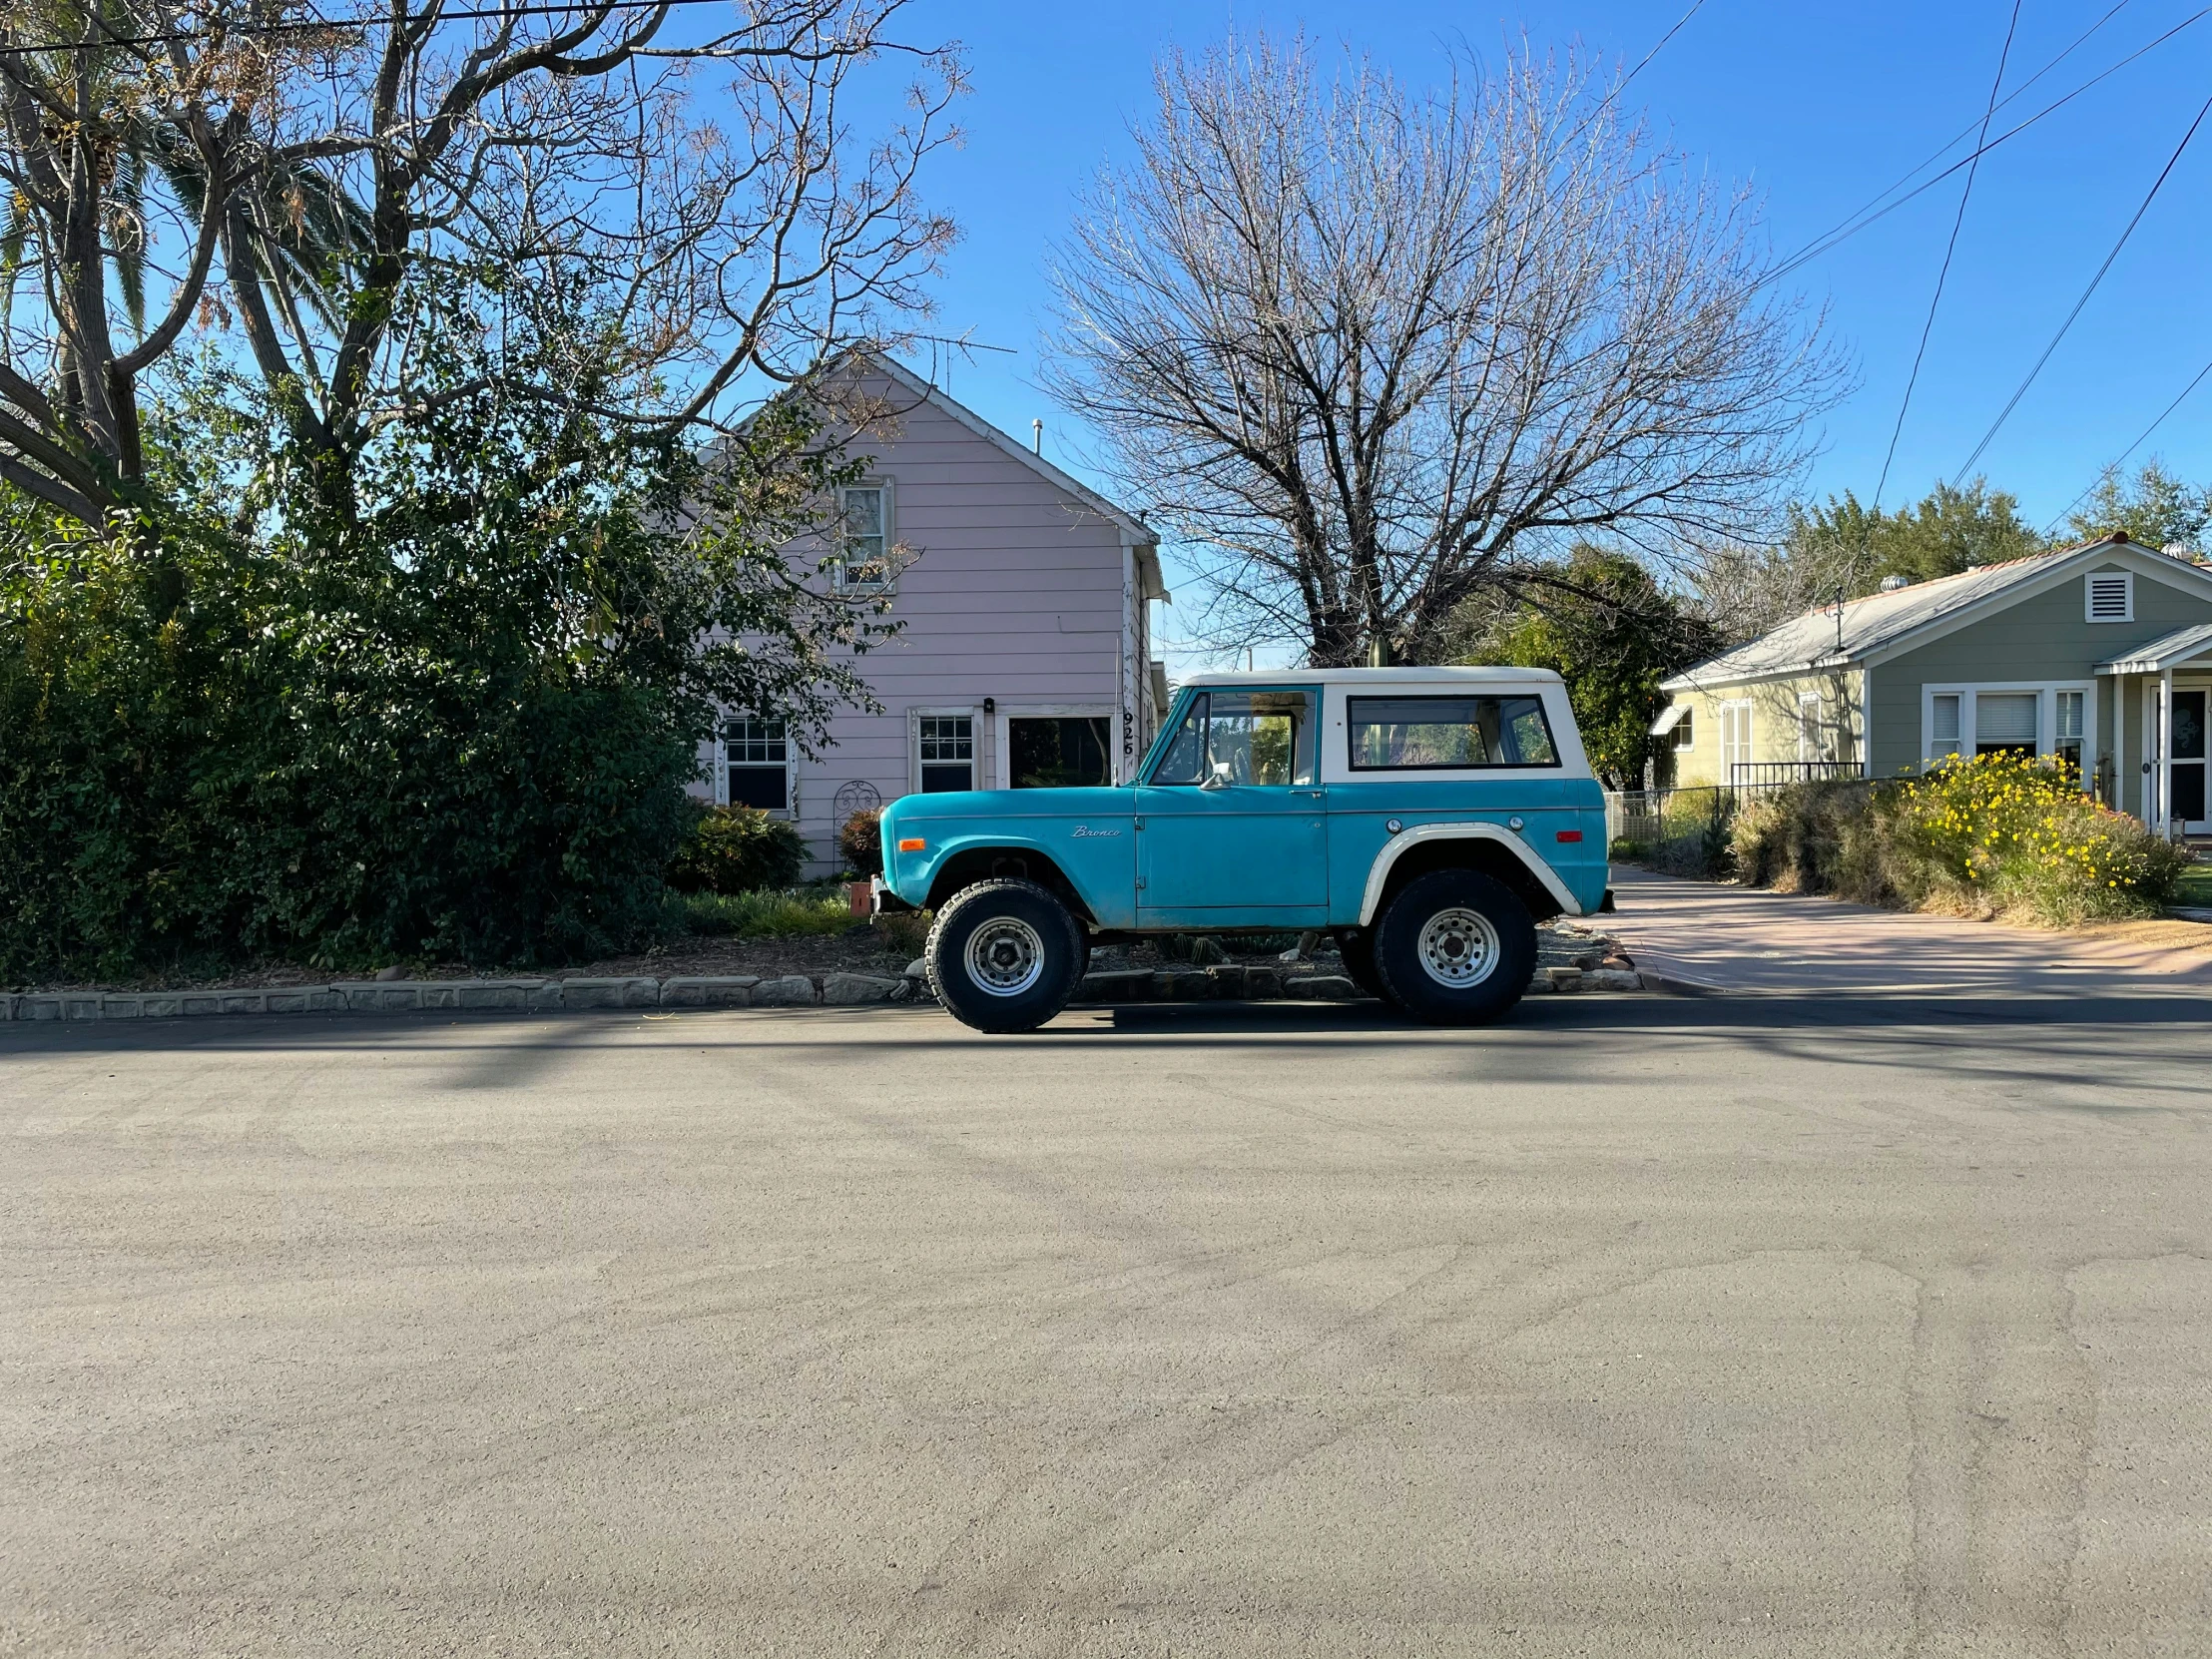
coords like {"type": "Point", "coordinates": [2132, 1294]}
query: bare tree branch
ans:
{"type": "Point", "coordinates": [1363, 351]}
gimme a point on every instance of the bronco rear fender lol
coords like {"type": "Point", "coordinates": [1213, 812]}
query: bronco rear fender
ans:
{"type": "Point", "coordinates": [1379, 876]}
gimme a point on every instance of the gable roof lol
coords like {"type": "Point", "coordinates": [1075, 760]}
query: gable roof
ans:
{"type": "Point", "coordinates": [1883, 623]}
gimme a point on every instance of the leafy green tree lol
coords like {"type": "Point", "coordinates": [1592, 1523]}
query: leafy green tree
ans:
{"type": "Point", "coordinates": [454, 720]}
{"type": "Point", "coordinates": [1600, 620]}
{"type": "Point", "coordinates": [1949, 530]}
{"type": "Point", "coordinates": [2154, 509]}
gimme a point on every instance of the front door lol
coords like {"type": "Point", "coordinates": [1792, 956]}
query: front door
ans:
{"type": "Point", "coordinates": [2188, 750]}
{"type": "Point", "coordinates": [1235, 828]}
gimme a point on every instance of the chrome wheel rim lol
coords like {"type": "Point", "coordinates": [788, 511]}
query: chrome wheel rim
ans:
{"type": "Point", "coordinates": [1459, 948]}
{"type": "Point", "coordinates": [1005, 957]}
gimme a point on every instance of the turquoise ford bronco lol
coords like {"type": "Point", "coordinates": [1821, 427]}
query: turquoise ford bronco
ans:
{"type": "Point", "coordinates": [1426, 817]}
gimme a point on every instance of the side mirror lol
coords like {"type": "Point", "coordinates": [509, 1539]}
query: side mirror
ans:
{"type": "Point", "coordinates": [1219, 778]}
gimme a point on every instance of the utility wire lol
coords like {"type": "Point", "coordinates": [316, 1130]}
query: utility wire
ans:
{"type": "Point", "coordinates": [2141, 439]}
{"type": "Point", "coordinates": [319, 24]}
{"type": "Point", "coordinates": [1942, 275]}
{"type": "Point", "coordinates": [1867, 216]}
{"type": "Point", "coordinates": [2004, 414]}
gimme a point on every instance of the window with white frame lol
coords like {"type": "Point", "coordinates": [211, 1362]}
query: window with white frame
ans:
{"type": "Point", "coordinates": [2004, 721]}
{"type": "Point", "coordinates": [1685, 734]}
{"type": "Point", "coordinates": [1735, 737]}
{"type": "Point", "coordinates": [863, 555]}
{"type": "Point", "coordinates": [2110, 596]}
{"type": "Point", "coordinates": [2070, 709]}
{"type": "Point", "coordinates": [946, 751]}
{"type": "Point", "coordinates": [1942, 723]}
{"type": "Point", "coordinates": [1812, 726]}
{"type": "Point", "coordinates": [756, 754]}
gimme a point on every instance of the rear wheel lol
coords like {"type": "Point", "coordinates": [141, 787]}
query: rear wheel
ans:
{"type": "Point", "coordinates": [1357, 947]}
{"type": "Point", "coordinates": [1004, 955]}
{"type": "Point", "coordinates": [1455, 948]}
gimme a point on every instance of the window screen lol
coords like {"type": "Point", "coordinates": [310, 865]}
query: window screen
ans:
{"type": "Point", "coordinates": [2004, 719]}
{"type": "Point", "coordinates": [1944, 724]}
{"type": "Point", "coordinates": [1427, 733]}
{"type": "Point", "coordinates": [865, 565]}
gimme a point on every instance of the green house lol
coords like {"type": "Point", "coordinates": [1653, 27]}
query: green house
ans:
{"type": "Point", "coordinates": [2101, 654]}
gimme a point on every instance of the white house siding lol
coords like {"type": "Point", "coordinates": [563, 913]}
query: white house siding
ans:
{"type": "Point", "coordinates": [1019, 592]}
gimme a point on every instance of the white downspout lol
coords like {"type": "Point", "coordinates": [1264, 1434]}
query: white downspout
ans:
{"type": "Point", "coordinates": [2165, 753]}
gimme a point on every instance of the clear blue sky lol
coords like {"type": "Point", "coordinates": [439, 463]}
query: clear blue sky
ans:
{"type": "Point", "coordinates": [1817, 106]}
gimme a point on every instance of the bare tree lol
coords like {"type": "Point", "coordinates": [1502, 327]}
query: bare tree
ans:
{"type": "Point", "coordinates": [287, 171]}
{"type": "Point", "coordinates": [1367, 352]}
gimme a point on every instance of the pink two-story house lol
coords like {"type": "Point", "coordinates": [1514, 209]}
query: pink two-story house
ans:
{"type": "Point", "coordinates": [1026, 653]}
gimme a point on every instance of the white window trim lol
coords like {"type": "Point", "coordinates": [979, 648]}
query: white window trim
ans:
{"type": "Point", "coordinates": [2088, 587]}
{"type": "Point", "coordinates": [889, 584]}
{"type": "Point", "coordinates": [1746, 748]}
{"type": "Point", "coordinates": [1002, 749]}
{"type": "Point", "coordinates": [1817, 703]}
{"type": "Point", "coordinates": [979, 723]}
{"type": "Point", "coordinates": [790, 769]}
{"type": "Point", "coordinates": [2046, 714]}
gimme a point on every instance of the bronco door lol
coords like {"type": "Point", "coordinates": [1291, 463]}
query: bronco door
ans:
{"type": "Point", "coordinates": [1233, 824]}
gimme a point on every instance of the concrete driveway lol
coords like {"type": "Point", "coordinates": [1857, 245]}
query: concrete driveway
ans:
{"type": "Point", "coordinates": [1640, 1326]}
{"type": "Point", "coordinates": [1704, 934]}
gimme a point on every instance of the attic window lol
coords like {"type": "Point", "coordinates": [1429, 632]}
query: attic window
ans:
{"type": "Point", "coordinates": [2111, 597]}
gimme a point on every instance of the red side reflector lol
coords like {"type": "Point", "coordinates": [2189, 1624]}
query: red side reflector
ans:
{"type": "Point", "coordinates": [1569, 835]}
{"type": "Point", "coordinates": [917, 843]}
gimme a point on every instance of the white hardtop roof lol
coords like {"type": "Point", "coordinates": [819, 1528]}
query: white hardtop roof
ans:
{"type": "Point", "coordinates": [1381, 679]}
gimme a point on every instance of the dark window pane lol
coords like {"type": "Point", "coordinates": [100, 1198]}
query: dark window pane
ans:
{"type": "Point", "coordinates": [2189, 726]}
{"type": "Point", "coordinates": [767, 787]}
{"type": "Point", "coordinates": [936, 780]}
{"type": "Point", "coordinates": [1058, 752]}
{"type": "Point", "coordinates": [1408, 733]}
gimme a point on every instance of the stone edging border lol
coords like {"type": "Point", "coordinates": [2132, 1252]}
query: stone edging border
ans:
{"type": "Point", "coordinates": [796, 990]}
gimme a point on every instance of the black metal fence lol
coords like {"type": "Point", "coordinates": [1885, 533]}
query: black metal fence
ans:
{"type": "Point", "coordinates": [1757, 775]}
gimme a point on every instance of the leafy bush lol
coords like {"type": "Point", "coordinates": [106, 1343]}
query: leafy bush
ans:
{"type": "Point", "coordinates": [861, 839]}
{"type": "Point", "coordinates": [737, 850]}
{"type": "Point", "coordinates": [767, 914]}
{"type": "Point", "coordinates": [443, 702]}
{"type": "Point", "coordinates": [1998, 832]}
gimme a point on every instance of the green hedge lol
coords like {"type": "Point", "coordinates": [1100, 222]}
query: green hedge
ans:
{"type": "Point", "coordinates": [737, 850]}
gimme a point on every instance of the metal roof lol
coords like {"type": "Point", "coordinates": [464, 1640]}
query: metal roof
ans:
{"type": "Point", "coordinates": [2164, 652]}
{"type": "Point", "coordinates": [1881, 621]}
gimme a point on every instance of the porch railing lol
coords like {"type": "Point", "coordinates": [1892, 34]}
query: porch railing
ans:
{"type": "Point", "coordinates": [1767, 775]}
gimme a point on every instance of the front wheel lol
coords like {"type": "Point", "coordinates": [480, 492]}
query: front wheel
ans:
{"type": "Point", "coordinates": [1004, 955]}
{"type": "Point", "coordinates": [1455, 948]}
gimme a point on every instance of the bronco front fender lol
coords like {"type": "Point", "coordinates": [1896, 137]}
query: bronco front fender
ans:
{"type": "Point", "coordinates": [1379, 874]}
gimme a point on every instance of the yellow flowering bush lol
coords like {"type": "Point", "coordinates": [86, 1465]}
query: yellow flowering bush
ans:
{"type": "Point", "coordinates": [2003, 832]}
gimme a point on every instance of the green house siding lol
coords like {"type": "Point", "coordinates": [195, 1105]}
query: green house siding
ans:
{"type": "Point", "coordinates": [2045, 639]}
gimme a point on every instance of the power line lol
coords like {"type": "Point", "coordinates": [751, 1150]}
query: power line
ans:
{"type": "Point", "coordinates": [1942, 275]}
{"type": "Point", "coordinates": [321, 24]}
{"type": "Point", "coordinates": [1848, 227]}
{"type": "Point", "coordinates": [2141, 439]}
{"type": "Point", "coordinates": [2004, 414]}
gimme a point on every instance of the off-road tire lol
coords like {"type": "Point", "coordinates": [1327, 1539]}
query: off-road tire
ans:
{"type": "Point", "coordinates": [1357, 947]}
{"type": "Point", "coordinates": [1026, 928]}
{"type": "Point", "coordinates": [1455, 948]}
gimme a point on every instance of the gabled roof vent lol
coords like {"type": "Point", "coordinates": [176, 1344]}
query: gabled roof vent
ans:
{"type": "Point", "coordinates": [1891, 584]}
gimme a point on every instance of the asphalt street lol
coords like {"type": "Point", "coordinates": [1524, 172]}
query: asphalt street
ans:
{"type": "Point", "coordinates": [1639, 1326]}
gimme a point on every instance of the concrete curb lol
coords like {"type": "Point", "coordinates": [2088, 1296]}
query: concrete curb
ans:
{"type": "Point", "coordinates": [1227, 984]}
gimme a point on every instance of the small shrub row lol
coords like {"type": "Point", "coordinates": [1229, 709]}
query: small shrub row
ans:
{"type": "Point", "coordinates": [1995, 833]}
{"type": "Point", "coordinates": [737, 850]}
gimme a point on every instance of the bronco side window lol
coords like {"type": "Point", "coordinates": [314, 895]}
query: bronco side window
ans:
{"type": "Point", "coordinates": [1390, 734]}
{"type": "Point", "coordinates": [1261, 736]}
